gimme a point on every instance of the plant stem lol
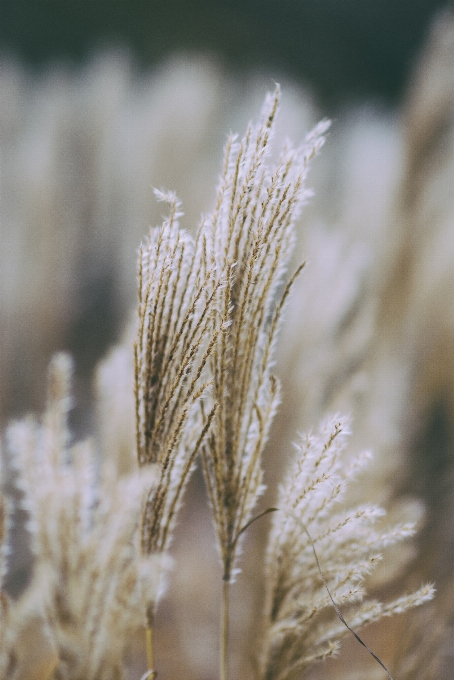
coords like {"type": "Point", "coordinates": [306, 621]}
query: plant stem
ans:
{"type": "Point", "coordinates": [224, 646]}
{"type": "Point", "coordinates": [149, 639]}
{"type": "Point", "coordinates": [149, 645]}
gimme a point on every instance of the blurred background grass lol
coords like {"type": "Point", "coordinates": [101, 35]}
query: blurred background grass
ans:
{"type": "Point", "coordinates": [340, 48]}
{"type": "Point", "coordinates": [93, 58]}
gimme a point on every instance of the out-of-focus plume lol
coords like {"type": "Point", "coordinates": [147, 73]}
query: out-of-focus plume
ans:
{"type": "Point", "coordinates": [90, 580]}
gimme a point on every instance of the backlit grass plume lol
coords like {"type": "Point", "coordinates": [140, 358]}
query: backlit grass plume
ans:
{"type": "Point", "coordinates": [177, 330]}
{"type": "Point", "coordinates": [252, 235]}
{"type": "Point", "coordinates": [316, 545]}
{"type": "Point", "coordinates": [176, 294]}
{"type": "Point", "coordinates": [90, 580]}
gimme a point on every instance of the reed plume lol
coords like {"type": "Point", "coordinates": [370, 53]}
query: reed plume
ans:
{"type": "Point", "coordinates": [316, 545]}
{"type": "Point", "coordinates": [252, 235]}
{"type": "Point", "coordinates": [90, 580]}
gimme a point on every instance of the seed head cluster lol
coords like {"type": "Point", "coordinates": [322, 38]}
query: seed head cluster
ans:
{"type": "Point", "coordinates": [300, 623]}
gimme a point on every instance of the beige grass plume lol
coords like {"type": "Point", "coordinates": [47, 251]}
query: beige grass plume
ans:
{"type": "Point", "coordinates": [301, 625]}
{"type": "Point", "coordinates": [178, 328]}
{"type": "Point", "coordinates": [252, 235]}
{"type": "Point", "coordinates": [90, 580]}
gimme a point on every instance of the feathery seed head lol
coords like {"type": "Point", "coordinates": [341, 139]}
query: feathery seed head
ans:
{"type": "Point", "coordinates": [86, 537]}
{"type": "Point", "coordinates": [299, 618]}
{"type": "Point", "coordinates": [252, 226]}
{"type": "Point", "coordinates": [178, 327]}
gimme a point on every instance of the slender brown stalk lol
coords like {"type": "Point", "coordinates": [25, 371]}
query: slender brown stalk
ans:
{"type": "Point", "coordinates": [224, 638]}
